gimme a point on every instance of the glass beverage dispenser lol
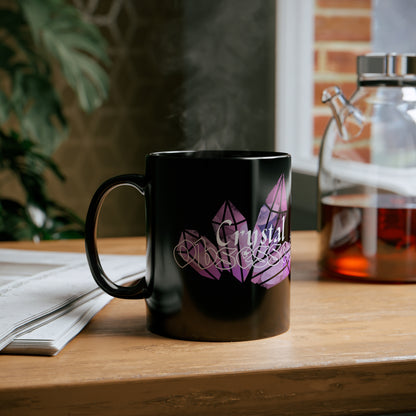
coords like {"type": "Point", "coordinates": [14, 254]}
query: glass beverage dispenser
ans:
{"type": "Point", "coordinates": [367, 174]}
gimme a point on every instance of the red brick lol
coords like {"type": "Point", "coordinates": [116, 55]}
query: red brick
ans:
{"type": "Point", "coordinates": [350, 151]}
{"type": "Point", "coordinates": [320, 122]}
{"type": "Point", "coordinates": [343, 28]}
{"type": "Point", "coordinates": [344, 4]}
{"type": "Point", "coordinates": [341, 61]}
{"type": "Point", "coordinates": [346, 150]}
{"type": "Point", "coordinates": [319, 125]}
{"type": "Point", "coordinates": [316, 59]}
{"type": "Point", "coordinates": [365, 133]}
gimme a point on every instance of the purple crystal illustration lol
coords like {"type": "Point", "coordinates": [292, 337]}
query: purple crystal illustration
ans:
{"type": "Point", "coordinates": [270, 223]}
{"type": "Point", "coordinates": [198, 252]}
{"type": "Point", "coordinates": [231, 230]}
{"type": "Point", "coordinates": [261, 255]}
{"type": "Point", "coordinates": [277, 267]}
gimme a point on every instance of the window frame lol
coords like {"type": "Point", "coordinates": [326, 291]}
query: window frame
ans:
{"type": "Point", "coordinates": [294, 83]}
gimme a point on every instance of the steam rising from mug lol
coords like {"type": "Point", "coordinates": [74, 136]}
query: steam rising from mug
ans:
{"type": "Point", "coordinates": [228, 88]}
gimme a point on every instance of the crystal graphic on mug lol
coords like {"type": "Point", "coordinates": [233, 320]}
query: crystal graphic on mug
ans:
{"type": "Point", "coordinates": [271, 254]}
{"type": "Point", "coordinates": [199, 253]}
{"type": "Point", "coordinates": [232, 234]}
{"type": "Point", "coordinates": [276, 269]}
{"type": "Point", "coordinates": [260, 255]}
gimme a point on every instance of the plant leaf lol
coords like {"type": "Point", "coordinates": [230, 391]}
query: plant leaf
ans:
{"type": "Point", "coordinates": [77, 45]}
{"type": "Point", "coordinates": [38, 108]}
{"type": "Point", "coordinates": [4, 107]}
{"type": "Point", "coordinates": [14, 222]}
{"type": "Point", "coordinates": [6, 54]}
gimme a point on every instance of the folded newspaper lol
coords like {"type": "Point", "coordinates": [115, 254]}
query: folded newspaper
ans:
{"type": "Point", "coordinates": [46, 298]}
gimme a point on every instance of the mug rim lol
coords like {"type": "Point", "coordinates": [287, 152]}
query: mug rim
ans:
{"type": "Point", "coordinates": [219, 154]}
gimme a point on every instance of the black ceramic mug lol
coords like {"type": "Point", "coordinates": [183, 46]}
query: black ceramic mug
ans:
{"type": "Point", "coordinates": [218, 244]}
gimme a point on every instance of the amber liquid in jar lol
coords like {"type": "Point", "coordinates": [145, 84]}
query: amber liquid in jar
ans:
{"type": "Point", "coordinates": [370, 238]}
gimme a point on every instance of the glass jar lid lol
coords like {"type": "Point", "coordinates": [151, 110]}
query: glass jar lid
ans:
{"type": "Point", "coordinates": [386, 68]}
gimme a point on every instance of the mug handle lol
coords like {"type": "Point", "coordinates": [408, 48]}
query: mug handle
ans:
{"type": "Point", "coordinates": [139, 289]}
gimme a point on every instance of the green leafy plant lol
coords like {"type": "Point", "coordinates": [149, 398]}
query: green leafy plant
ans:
{"type": "Point", "coordinates": [37, 38]}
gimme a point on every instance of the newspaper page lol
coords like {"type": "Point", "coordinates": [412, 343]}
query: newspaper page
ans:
{"type": "Point", "coordinates": [46, 298]}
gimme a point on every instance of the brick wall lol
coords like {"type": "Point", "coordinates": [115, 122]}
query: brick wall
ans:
{"type": "Point", "coordinates": [342, 32]}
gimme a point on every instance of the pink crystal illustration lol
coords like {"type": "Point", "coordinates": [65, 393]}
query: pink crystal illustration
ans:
{"type": "Point", "coordinates": [260, 256]}
{"type": "Point", "coordinates": [277, 267]}
{"type": "Point", "coordinates": [198, 252]}
{"type": "Point", "coordinates": [271, 220]}
{"type": "Point", "coordinates": [231, 230]}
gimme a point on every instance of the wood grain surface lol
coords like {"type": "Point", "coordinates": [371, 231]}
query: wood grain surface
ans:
{"type": "Point", "coordinates": [351, 349]}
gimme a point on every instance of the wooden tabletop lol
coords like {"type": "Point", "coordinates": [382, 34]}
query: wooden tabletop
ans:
{"type": "Point", "coordinates": [351, 349]}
